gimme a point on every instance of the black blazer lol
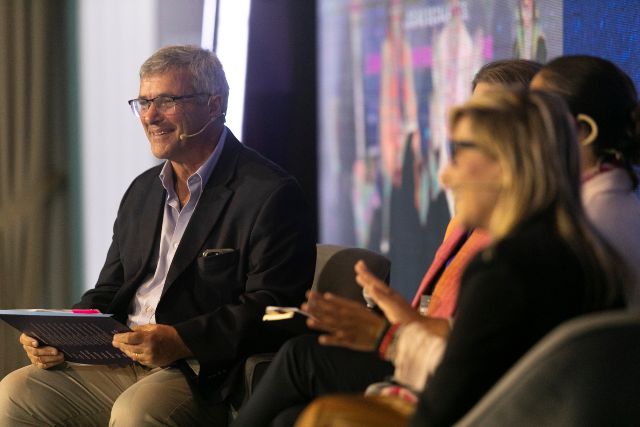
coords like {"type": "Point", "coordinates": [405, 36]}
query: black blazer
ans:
{"type": "Point", "coordinates": [249, 205]}
{"type": "Point", "coordinates": [511, 295]}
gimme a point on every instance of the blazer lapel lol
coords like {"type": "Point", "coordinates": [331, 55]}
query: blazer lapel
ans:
{"type": "Point", "coordinates": [149, 220]}
{"type": "Point", "coordinates": [214, 198]}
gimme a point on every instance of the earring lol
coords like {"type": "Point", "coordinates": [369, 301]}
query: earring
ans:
{"type": "Point", "coordinates": [592, 125]}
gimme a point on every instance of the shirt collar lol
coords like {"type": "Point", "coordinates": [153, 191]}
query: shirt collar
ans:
{"type": "Point", "coordinates": [204, 171]}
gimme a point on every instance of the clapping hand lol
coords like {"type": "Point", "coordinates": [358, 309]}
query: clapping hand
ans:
{"type": "Point", "coordinates": [346, 323]}
{"type": "Point", "coordinates": [392, 304]}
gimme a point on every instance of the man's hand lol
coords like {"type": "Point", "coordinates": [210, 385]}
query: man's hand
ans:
{"type": "Point", "coordinates": [41, 357]}
{"type": "Point", "coordinates": [152, 345]}
{"type": "Point", "coordinates": [394, 306]}
{"type": "Point", "coordinates": [347, 323]}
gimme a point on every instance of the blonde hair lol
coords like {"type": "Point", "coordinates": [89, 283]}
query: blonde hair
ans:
{"type": "Point", "coordinates": [532, 138]}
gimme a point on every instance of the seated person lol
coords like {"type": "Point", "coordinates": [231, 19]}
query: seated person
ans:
{"type": "Point", "coordinates": [604, 101]}
{"type": "Point", "coordinates": [201, 245]}
{"type": "Point", "coordinates": [305, 368]}
{"type": "Point", "coordinates": [514, 172]}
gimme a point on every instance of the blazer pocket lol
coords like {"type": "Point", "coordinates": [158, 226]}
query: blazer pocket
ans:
{"type": "Point", "coordinates": [215, 260]}
{"type": "Point", "coordinates": [217, 278]}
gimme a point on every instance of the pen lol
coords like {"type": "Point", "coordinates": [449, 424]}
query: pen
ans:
{"type": "Point", "coordinates": [216, 252]}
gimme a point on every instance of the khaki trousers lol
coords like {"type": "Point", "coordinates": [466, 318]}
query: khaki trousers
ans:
{"type": "Point", "coordinates": [74, 395]}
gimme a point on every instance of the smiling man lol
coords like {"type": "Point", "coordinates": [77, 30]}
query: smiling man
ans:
{"type": "Point", "coordinates": [201, 245]}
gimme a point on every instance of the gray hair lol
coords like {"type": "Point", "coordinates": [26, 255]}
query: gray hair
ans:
{"type": "Point", "coordinates": [203, 65]}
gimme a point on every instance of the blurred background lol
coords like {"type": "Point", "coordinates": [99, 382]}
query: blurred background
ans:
{"type": "Point", "coordinates": [350, 96]}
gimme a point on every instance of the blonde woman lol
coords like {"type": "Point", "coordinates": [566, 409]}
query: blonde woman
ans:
{"type": "Point", "coordinates": [515, 172]}
{"type": "Point", "coordinates": [344, 362]}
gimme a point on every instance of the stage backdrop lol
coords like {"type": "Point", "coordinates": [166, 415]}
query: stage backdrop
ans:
{"type": "Point", "coordinates": [389, 70]}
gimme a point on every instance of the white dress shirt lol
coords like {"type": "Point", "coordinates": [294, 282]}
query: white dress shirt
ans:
{"type": "Point", "coordinates": [174, 223]}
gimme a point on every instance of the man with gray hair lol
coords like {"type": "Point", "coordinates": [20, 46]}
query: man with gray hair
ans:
{"type": "Point", "coordinates": [201, 245]}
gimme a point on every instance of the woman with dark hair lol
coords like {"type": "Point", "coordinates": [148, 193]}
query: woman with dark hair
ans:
{"type": "Point", "coordinates": [604, 102]}
{"type": "Point", "coordinates": [514, 172]}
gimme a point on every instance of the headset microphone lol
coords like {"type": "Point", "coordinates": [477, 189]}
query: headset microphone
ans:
{"type": "Point", "coordinates": [184, 136]}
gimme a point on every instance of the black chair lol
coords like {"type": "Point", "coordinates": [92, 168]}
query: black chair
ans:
{"type": "Point", "coordinates": [334, 273]}
{"type": "Point", "coordinates": [334, 269]}
{"type": "Point", "coordinates": [584, 373]}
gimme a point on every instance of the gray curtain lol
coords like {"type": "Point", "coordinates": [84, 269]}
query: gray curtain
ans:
{"type": "Point", "coordinates": [35, 138]}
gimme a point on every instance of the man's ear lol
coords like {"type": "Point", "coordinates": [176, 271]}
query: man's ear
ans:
{"type": "Point", "coordinates": [215, 105]}
{"type": "Point", "coordinates": [591, 125]}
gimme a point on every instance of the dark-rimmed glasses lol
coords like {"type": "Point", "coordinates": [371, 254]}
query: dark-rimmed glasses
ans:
{"type": "Point", "coordinates": [456, 146]}
{"type": "Point", "coordinates": [164, 104]}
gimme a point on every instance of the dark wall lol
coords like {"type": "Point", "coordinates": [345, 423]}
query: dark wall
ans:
{"type": "Point", "coordinates": [280, 100]}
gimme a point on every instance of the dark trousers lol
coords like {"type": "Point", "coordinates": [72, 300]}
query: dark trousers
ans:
{"type": "Point", "coordinates": [303, 370]}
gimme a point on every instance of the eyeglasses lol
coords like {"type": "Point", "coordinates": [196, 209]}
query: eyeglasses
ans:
{"type": "Point", "coordinates": [164, 104]}
{"type": "Point", "coordinates": [456, 146]}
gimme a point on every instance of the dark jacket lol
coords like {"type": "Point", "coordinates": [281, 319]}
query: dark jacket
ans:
{"type": "Point", "coordinates": [249, 205]}
{"type": "Point", "coordinates": [511, 295]}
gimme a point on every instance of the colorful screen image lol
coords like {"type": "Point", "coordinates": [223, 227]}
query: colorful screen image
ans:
{"type": "Point", "coordinates": [389, 71]}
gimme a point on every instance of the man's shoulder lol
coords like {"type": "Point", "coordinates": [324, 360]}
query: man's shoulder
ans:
{"type": "Point", "coordinates": [146, 179]}
{"type": "Point", "coordinates": [254, 168]}
{"type": "Point", "coordinates": [249, 158]}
